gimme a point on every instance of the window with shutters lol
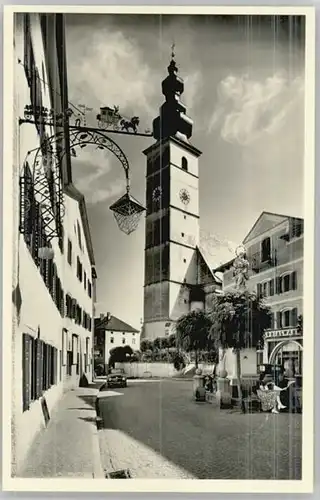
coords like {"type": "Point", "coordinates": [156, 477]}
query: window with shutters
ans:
{"type": "Point", "coordinates": [60, 366]}
{"type": "Point", "coordinates": [74, 349]}
{"type": "Point", "coordinates": [79, 235]}
{"type": "Point", "coordinates": [285, 283]}
{"type": "Point", "coordinates": [271, 288]}
{"type": "Point", "coordinates": [265, 288]}
{"type": "Point", "coordinates": [27, 348]}
{"type": "Point", "coordinates": [64, 347]}
{"type": "Point", "coordinates": [278, 320]}
{"type": "Point", "coordinates": [39, 347]}
{"type": "Point", "coordinates": [288, 282]}
{"type": "Point", "coordinates": [79, 269]}
{"type": "Point", "coordinates": [294, 317]}
{"type": "Point", "coordinates": [39, 368]}
{"type": "Point", "coordinates": [69, 254]}
{"type": "Point", "coordinates": [285, 320]}
{"type": "Point", "coordinates": [259, 290]}
{"type": "Point", "coordinates": [294, 280]}
{"type": "Point", "coordinates": [272, 320]}
{"type": "Point", "coordinates": [266, 250]}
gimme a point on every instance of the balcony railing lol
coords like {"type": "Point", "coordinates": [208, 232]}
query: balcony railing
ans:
{"type": "Point", "coordinates": [259, 263]}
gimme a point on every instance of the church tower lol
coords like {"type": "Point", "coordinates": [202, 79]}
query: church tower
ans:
{"type": "Point", "coordinates": [172, 216]}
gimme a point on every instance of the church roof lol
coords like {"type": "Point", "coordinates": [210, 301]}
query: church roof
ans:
{"type": "Point", "coordinates": [114, 324]}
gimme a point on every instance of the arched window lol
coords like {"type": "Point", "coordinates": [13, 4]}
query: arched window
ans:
{"type": "Point", "coordinates": [288, 317]}
{"type": "Point", "coordinates": [184, 163]}
{"type": "Point", "coordinates": [288, 281]}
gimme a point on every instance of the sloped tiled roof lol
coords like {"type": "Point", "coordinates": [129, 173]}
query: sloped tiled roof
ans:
{"type": "Point", "coordinates": [114, 324]}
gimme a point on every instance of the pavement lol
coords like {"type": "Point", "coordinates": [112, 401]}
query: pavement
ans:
{"type": "Point", "coordinates": [69, 446]}
{"type": "Point", "coordinates": [157, 430]}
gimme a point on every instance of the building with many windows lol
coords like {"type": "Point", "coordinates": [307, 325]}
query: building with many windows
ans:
{"type": "Point", "coordinates": [274, 249]}
{"type": "Point", "coordinates": [110, 332]}
{"type": "Point", "coordinates": [53, 261]}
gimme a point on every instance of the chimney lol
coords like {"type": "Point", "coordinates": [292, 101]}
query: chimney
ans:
{"type": "Point", "coordinates": [101, 316]}
{"type": "Point", "coordinates": [108, 316]}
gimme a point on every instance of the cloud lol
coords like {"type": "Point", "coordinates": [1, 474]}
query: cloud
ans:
{"type": "Point", "coordinates": [91, 175]}
{"type": "Point", "coordinates": [106, 68]}
{"type": "Point", "coordinates": [192, 85]}
{"type": "Point", "coordinates": [248, 109]}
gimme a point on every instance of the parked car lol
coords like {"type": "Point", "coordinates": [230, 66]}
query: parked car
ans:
{"type": "Point", "coordinates": [117, 378]}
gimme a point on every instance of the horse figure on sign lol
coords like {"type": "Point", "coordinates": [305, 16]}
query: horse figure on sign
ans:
{"type": "Point", "coordinates": [130, 124]}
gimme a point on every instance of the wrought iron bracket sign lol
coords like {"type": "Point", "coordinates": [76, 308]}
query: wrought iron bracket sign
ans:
{"type": "Point", "coordinates": [108, 119]}
{"type": "Point", "coordinates": [46, 161]}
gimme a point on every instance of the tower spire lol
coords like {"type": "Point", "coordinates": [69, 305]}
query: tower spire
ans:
{"type": "Point", "coordinates": [172, 119]}
{"type": "Point", "coordinates": [173, 55]}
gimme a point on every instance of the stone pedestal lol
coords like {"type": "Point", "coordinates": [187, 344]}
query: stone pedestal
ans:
{"type": "Point", "coordinates": [223, 392]}
{"type": "Point", "coordinates": [198, 387]}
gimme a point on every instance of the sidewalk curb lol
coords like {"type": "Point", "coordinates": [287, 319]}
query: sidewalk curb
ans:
{"type": "Point", "coordinates": [98, 471]}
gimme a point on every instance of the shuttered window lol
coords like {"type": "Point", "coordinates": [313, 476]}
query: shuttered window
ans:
{"type": "Point", "coordinates": [259, 290]}
{"type": "Point", "coordinates": [286, 319]}
{"type": "Point", "coordinates": [285, 283]}
{"type": "Point", "coordinates": [279, 320]}
{"type": "Point", "coordinates": [60, 366]}
{"type": "Point", "coordinates": [26, 371]}
{"type": "Point", "coordinates": [271, 288]}
{"type": "Point", "coordinates": [294, 280]}
{"type": "Point", "coordinates": [294, 317]}
{"type": "Point", "coordinates": [39, 367]}
{"type": "Point", "coordinates": [265, 250]}
{"type": "Point", "coordinates": [278, 285]}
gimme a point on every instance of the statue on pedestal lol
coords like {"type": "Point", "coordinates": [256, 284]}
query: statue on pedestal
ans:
{"type": "Point", "coordinates": [241, 268]}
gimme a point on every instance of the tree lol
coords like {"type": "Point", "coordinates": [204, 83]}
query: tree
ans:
{"type": "Point", "coordinates": [193, 331]}
{"type": "Point", "coordinates": [172, 340]}
{"type": "Point", "coordinates": [146, 345]}
{"type": "Point", "coordinates": [157, 343]}
{"type": "Point", "coordinates": [238, 321]}
{"type": "Point", "coordinates": [120, 354]}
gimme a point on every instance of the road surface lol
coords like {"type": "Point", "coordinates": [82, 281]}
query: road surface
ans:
{"type": "Point", "coordinates": [155, 429]}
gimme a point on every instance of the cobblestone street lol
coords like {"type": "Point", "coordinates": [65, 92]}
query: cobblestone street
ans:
{"type": "Point", "coordinates": [155, 429]}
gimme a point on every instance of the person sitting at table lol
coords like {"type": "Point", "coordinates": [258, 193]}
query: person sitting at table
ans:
{"type": "Point", "coordinates": [269, 395]}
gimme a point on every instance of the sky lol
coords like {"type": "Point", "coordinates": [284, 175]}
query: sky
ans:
{"type": "Point", "coordinates": [244, 90]}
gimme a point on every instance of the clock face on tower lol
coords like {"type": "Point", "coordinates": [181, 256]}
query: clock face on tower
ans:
{"type": "Point", "coordinates": [156, 194]}
{"type": "Point", "coordinates": [184, 196]}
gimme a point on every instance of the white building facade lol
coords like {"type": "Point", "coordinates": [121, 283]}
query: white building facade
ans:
{"type": "Point", "coordinates": [275, 251]}
{"type": "Point", "coordinates": [111, 332]}
{"type": "Point", "coordinates": [53, 277]}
